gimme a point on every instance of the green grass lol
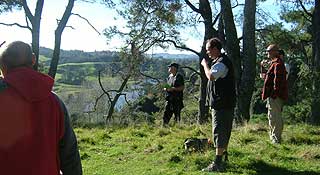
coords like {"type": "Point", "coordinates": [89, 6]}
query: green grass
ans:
{"type": "Point", "coordinates": [153, 150]}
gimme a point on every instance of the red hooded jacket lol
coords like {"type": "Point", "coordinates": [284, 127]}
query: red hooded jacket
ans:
{"type": "Point", "coordinates": [31, 124]}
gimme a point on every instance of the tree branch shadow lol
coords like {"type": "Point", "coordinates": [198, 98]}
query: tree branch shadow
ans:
{"type": "Point", "coordinates": [263, 168]}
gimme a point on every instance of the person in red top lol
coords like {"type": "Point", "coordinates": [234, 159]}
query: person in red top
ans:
{"type": "Point", "coordinates": [275, 91]}
{"type": "Point", "coordinates": [35, 134]}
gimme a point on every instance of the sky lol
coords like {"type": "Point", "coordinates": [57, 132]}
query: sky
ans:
{"type": "Point", "coordinates": [83, 37]}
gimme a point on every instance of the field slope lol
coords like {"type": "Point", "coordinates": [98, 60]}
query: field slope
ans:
{"type": "Point", "coordinates": [153, 150]}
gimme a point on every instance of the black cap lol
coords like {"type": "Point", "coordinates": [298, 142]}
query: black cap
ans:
{"type": "Point", "coordinates": [174, 65]}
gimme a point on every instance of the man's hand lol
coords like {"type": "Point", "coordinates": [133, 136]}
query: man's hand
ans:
{"type": "Point", "coordinates": [265, 63]}
{"type": "Point", "coordinates": [204, 62]}
{"type": "Point", "coordinates": [168, 89]}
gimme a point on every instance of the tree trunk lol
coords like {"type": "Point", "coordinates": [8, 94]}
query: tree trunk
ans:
{"type": "Point", "coordinates": [35, 23]}
{"type": "Point", "coordinates": [35, 44]}
{"type": "Point", "coordinates": [115, 99]}
{"type": "Point", "coordinates": [249, 60]}
{"type": "Point", "coordinates": [203, 109]}
{"type": "Point", "coordinates": [232, 44]}
{"type": "Point", "coordinates": [206, 13]}
{"type": "Point", "coordinates": [315, 106]}
{"type": "Point", "coordinates": [57, 43]}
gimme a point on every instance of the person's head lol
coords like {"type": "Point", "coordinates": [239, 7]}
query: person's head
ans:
{"type": "Point", "coordinates": [281, 54]}
{"type": "Point", "coordinates": [173, 68]}
{"type": "Point", "coordinates": [272, 51]}
{"type": "Point", "coordinates": [17, 54]}
{"type": "Point", "coordinates": [213, 47]}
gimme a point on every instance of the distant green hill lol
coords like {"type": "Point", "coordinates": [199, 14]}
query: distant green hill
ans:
{"type": "Point", "coordinates": [79, 56]}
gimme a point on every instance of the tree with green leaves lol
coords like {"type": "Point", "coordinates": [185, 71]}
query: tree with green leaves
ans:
{"type": "Point", "coordinates": [148, 23]}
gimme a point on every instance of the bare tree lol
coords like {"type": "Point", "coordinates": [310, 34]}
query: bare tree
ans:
{"type": "Point", "coordinates": [34, 19]}
{"type": "Point", "coordinates": [35, 26]}
{"type": "Point", "coordinates": [149, 22]}
{"type": "Point", "coordinates": [57, 42]}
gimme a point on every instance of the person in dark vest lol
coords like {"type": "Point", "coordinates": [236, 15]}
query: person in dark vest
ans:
{"type": "Point", "coordinates": [36, 136]}
{"type": "Point", "coordinates": [174, 94]}
{"type": "Point", "coordinates": [221, 98]}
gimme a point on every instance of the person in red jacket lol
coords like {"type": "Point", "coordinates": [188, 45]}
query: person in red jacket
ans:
{"type": "Point", "coordinates": [35, 133]}
{"type": "Point", "coordinates": [275, 91]}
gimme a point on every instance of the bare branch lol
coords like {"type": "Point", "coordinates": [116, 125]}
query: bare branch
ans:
{"type": "Point", "coordinates": [192, 6]}
{"type": "Point", "coordinates": [16, 24]}
{"type": "Point", "coordinates": [304, 9]}
{"type": "Point", "coordinates": [180, 47]}
{"type": "Point", "coordinates": [102, 88]}
{"type": "Point", "coordinates": [148, 76]}
{"type": "Point", "coordinates": [27, 11]}
{"type": "Point", "coordinates": [87, 22]}
{"type": "Point", "coordinates": [71, 27]}
{"type": "Point", "coordinates": [216, 19]}
{"type": "Point", "coordinates": [96, 103]}
{"type": "Point", "coordinates": [2, 43]}
{"type": "Point", "coordinates": [27, 22]}
{"type": "Point", "coordinates": [125, 98]}
{"type": "Point", "coordinates": [58, 21]}
{"type": "Point", "coordinates": [195, 71]}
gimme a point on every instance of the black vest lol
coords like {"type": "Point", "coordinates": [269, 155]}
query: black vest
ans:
{"type": "Point", "coordinates": [3, 85]}
{"type": "Point", "coordinates": [175, 81]}
{"type": "Point", "coordinates": [221, 94]}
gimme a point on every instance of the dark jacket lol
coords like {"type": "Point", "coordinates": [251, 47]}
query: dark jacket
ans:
{"type": "Point", "coordinates": [221, 93]}
{"type": "Point", "coordinates": [36, 137]}
{"type": "Point", "coordinates": [275, 84]}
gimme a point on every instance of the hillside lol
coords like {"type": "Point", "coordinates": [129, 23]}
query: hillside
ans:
{"type": "Point", "coordinates": [79, 56]}
{"type": "Point", "coordinates": [153, 150]}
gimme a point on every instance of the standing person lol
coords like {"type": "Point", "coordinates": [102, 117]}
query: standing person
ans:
{"type": "Point", "coordinates": [221, 97]}
{"type": "Point", "coordinates": [36, 136]}
{"type": "Point", "coordinates": [174, 94]}
{"type": "Point", "coordinates": [286, 65]}
{"type": "Point", "coordinates": [275, 91]}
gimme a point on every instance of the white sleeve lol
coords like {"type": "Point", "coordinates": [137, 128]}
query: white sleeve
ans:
{"type": "Point", "coordinates": [219, 70]}
{"type": "Point", "coordinates": [287, 66]}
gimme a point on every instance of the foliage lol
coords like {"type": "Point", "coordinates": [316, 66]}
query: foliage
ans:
{"type": "Point", "coordinates": [297, 113]}
{"type": "Point", "coordinates": [148, 22]}
{"type": "Point", "coordinates": [8, 5]}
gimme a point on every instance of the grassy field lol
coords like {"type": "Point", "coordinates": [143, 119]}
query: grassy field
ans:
{"type": "Point", "coordinates": [153, 150]}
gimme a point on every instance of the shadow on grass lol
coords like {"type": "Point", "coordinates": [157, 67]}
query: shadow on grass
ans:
{"type": "Point", "coordinates": [262, 168]}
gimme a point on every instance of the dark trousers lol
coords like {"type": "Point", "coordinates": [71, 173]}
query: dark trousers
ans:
{"type": "Point", "coordinates": [170, 109]}
{"type": "Point", "coordinates": [222, 120]}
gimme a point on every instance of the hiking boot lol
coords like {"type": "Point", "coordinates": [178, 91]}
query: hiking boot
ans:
{"type": "Point", "coordinates": [225, 154]}
{"type": "Point", "coordinates": [275, 140]}
{"type": "Point", "coordinates": [213, 167]}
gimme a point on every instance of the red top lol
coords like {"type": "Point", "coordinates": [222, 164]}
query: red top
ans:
{"type": "Point", "coordinates": [275, 83]}
{"type": "Point", "coordinates": [31, 124]}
